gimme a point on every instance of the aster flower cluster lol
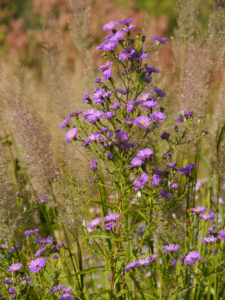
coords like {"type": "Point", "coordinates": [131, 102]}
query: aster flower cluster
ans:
{"type": "Point", "coordinates": [110, 221]}
{"type": "Point", "coordinates": [19, 260]}
{"type": "Point", "coordinates": [142, 179]}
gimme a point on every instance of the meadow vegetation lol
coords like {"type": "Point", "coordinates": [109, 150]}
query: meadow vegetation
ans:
{"type": "Point", "coordinates": [112, 182]}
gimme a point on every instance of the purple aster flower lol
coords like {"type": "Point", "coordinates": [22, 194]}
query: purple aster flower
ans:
{"type": "Point", "coordinates": [99, 47]}
{"type": "Point", "coordinates": [148, 274]}
{"type": "Point", "coordinates": [140, 182]}
{"type": "Point", "coordinates": [167, 155]}
{"type": "Point", "coordinates": [40, 251]}
{"type": "Point", "coordinates": [206, 217]}
{"type": "Point", "coordinates": [129, 121]}
{"type": "Point", "coordinates": [110, 225]}
{"type": "Point", "coordinates": [174, 262]}
{"type": "Point", "coordinates": [15, 267]}
{"type": "Point", "coordinates": [98, 95]}
{"type": "Point", "coordinates": [109, 155]}
{"type": "Point", "coordinates": [110, 26]}
{"type": "Point", "coordinates": [188, 114]}
{"type": "Point", "coordinates": [120, 91]}
{"type": "Point", "coordinates": [66, 122]}
{"type": "Point", "coordinates": [147, 77]}
{"type": "Point", "coordinates": [71, 134]}
{"type": "Point", "coordinates": [98, 80]}
{"type": "Point", "coordinates": [123, 136]}
{"type": "Point", "coordinates": [158, 116]}
{"type": "Point", "coordinates": [109, 114]}
{"type": "Point", "coordinates": [111, 217]}
{"type": "Point", "coordinates": [199, 210]}
{"type": "Point", "coordinates": [180, 118]}
{"type": "Point", "coordinates": [129, 28]}
{"type": "Point", "coordinates": [209, 240]}
{"type": "Point", "coordinates": [156, 180]}
{"type": "Point", "coordinates": [215, 251]}
{"type": "Point", "coordinates": [126, 21]}
{"type": "Point", "coordinates": [143, 261]}
{"type": "Point", "coordinates": [127, 53]}
{"type": "Point", "coordinates": [166, 194]}
{"type": "Point", "coordinates": [109, 134]}
{"type": "Point", "coordinates": [29, 232]}
{"type": "Point", "coordinates": [115, 106]}
{"type": "Point", "coordinates": [183, 115]}
{"type": "Point", "coordinates": [136, 162]}
{"type": "Point", "coordinates": [94, 223]}
{"type": "Point", "coordinates": [77, 113]}
{"type": "Point", "coordinates": [160, 40]}
{"type": "Point", "coordinates": [107, 95]}
{"type": "Point", "coordinates": [86, 97]}
{"type": "Point", "coordinates": [61, 288]}
{"type": "Point", "coordinates": [153, 257]}
{"type": "Point", "coordinates": [145, 97]}
{"type": "Point", "coordinates": [145, 153]}
{"type": "Point", "coordinates": [93, 168]}
{"type": "Point", "coordinates": [66, 297]}
{"type": "Point", "coordinates": [55, 256]}
{"type": "Point", "coordinates": [109, 36]}
{"type": "Point", "coordinates": [221, 234]}
{"type": "Point", "coordinates": [131, 104]}
{"type": "Point", "coordinates": [150, 69]}
{"type": "Point", "coordinates": [142, 121]}
{"type": "Point", "coordinates": [131, 266]}
{"type": "Point", "coordinates": [107, 74]}
{"type": "Point", "coordinates": [172, 165]}
{"type": "Point", "coordinates": [212, 232]}
{"type": "Point", "coordinates": [37, 264]}
{"type": "Point", "coordinates": [45, 241]}
{"type": "Point", "coordinates": [165, 135]}
{"type": "Point", "coordinates": [42, 199]}
{"type": "Point", "coordinates": [93, 162]}
{"type": "Point", "coordinates": [93, 115]}
{"type": "Point", "coordinates": [192, 257]}
{"type": "Point", "coordinates": [8, 281]}
{"type": "Point", "coordinates": [159, 92]}
{"type": "Point", "coordinates": [150, 104]}
{"type": "Point", "coordinates": [171, 248]}
{"type": "Point", "coordinates": [109, 46]}
{"type": "Point", "coordinates": [187, 169]}
{"type": "Point", "coordinates": [105, 66]}
{"type": "Point", "coordinates": [119, 35]}
{"type": "Point", "coordinates": [12, 290]}
{"type": "Point", "coordinates": [139, 55]}
{"type": "Point", "coordinates": [174, 186]}
{"type": "Point", "coordinates": [104, 129]}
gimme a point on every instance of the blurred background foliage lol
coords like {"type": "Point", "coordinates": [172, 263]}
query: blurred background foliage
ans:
{"type": "Point", "coordinates": [22, 22]}
{"type": "Point", "coordinates": [167, 7]}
